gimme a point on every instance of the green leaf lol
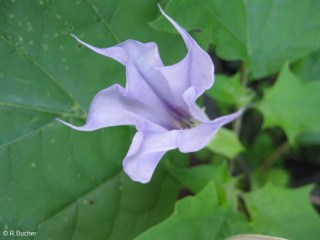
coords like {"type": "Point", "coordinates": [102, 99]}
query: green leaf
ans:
{"type": "Point", "coordinates": [257, 32]}
{"type": "Point", "coordinates": [59, 182]}
{"type": "Point", "coordinates": [308, 67]}
{"type": "Point", "coordinates": [229, 90]}
{"type": "Point", "coordinates": [260, 149]}
{"type": "Point", "coordinates": [283, 212]}
{"type": "Point", "coordinates": [275, 176]}
{"type": "Point", "coordinates": [309, 138]}
{"type": "Point", "coordinates": [196, 178]}
{"type": "Point", "coordinates": [199, 217]}
{"type": "Point", "coordinates": [292, 104]}
{"type": "Point", "coordinates": [226, 143]}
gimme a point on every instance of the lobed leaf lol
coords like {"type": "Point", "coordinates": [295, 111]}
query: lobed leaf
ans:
{"type": "Point", "coordinates": [264, 34]}
{"type": "Point", "coordinates": [292, 104]}
{"type": "Point", "coordinates": [199, 217]}
{"type": "Point", "coordinates": [282, 212]}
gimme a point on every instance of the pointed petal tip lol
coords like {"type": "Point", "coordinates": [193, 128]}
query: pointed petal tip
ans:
{"type": "Point", "coordinates": [79, 128]}
{"type": "Point", "coordinates": [165, 14]}
{"type": "Point", "coordinates": [204, 132]}
{"type": "Point", "coordinates": [160, 8]}
{"type": "Point", "coordinates": [61, 121]}
{"type": "Point", "coordinates": [66, 123]}
{"type": "Point", "coordinates": [241, 111]}
{"type": "Point", "coordinates": [76, 38]}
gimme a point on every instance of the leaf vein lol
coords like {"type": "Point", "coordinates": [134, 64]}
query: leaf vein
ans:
{"type": "Point", "coordinates": [104, 21]}
{"type": "Point", "coordinates": [27, 135]}
{"type": "Point", "coordinates": [28, 56]}
{"type": "Point", "coordinates": [40, 109]}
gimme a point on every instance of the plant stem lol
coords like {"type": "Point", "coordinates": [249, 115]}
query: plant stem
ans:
{"type": "Point", "coordinates": [238, 164]}
{"type": "Point", "coordinates": [244, 74]}
{"type": "Point", "coordinates": [274, 156]}
{"type": "Point", "coordinates": [243, 79]}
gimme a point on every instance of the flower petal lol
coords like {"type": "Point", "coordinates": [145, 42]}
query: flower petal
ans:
{"type": "Point", "coordinates": [129, 50]}
{"type": "Point", "coordinates": [137, 88]}
{"type": "Point", "coordinates": [196, 69]}
{"type": "Point", "coordinates": [190, 96]}
{"type": "Point", "coordinates": [145, 152]}
{"type": "Point", "coordinates": [165, 85]}
{"type": "Point", "coordinates": [191, 140]}
{"type": "Point", "coordinates": [143, 59]}
{"type": "Point", "coordinates": [111, 107]}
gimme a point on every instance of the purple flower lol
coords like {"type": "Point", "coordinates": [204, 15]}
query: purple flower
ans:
{"type": "Point", "coordinates": [158, 100]}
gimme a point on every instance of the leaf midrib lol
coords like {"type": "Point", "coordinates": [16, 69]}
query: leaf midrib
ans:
{"type": "Point", "coordinates": [104, 21]}
{"type": "Point", "coordinates": [51, 77]}
{"type": "Point", "coordinates": [41, 110]}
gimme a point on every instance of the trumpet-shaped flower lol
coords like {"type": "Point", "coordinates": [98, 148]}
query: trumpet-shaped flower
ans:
{"type": "Point", "coordinates": [160, 101]}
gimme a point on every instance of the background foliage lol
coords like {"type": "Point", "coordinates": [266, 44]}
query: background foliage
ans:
{"type": "Point", "coordinates": [66, 184]}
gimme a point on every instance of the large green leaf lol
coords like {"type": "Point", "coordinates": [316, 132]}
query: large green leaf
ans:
{"type": "Point", "coordinates": [283, 212]}
{"type": "Point", "coordinates": [56, 181]}
{"type": "Point", "coordinates": [199, 217]}
{"type": "Point", "coordinates": [264, 34]}
{"type": "Point", "coordinates": [292, 104]}
{"type": "Point", "coordinates": [308, 67]}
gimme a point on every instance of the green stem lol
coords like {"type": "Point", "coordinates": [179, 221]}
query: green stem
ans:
{"type": "Point", "coordinates": [274, 156]}
{"type": "Point", "coordinates": [244, 80]}
{"type": "Point", "coordinates": [238, 163]}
